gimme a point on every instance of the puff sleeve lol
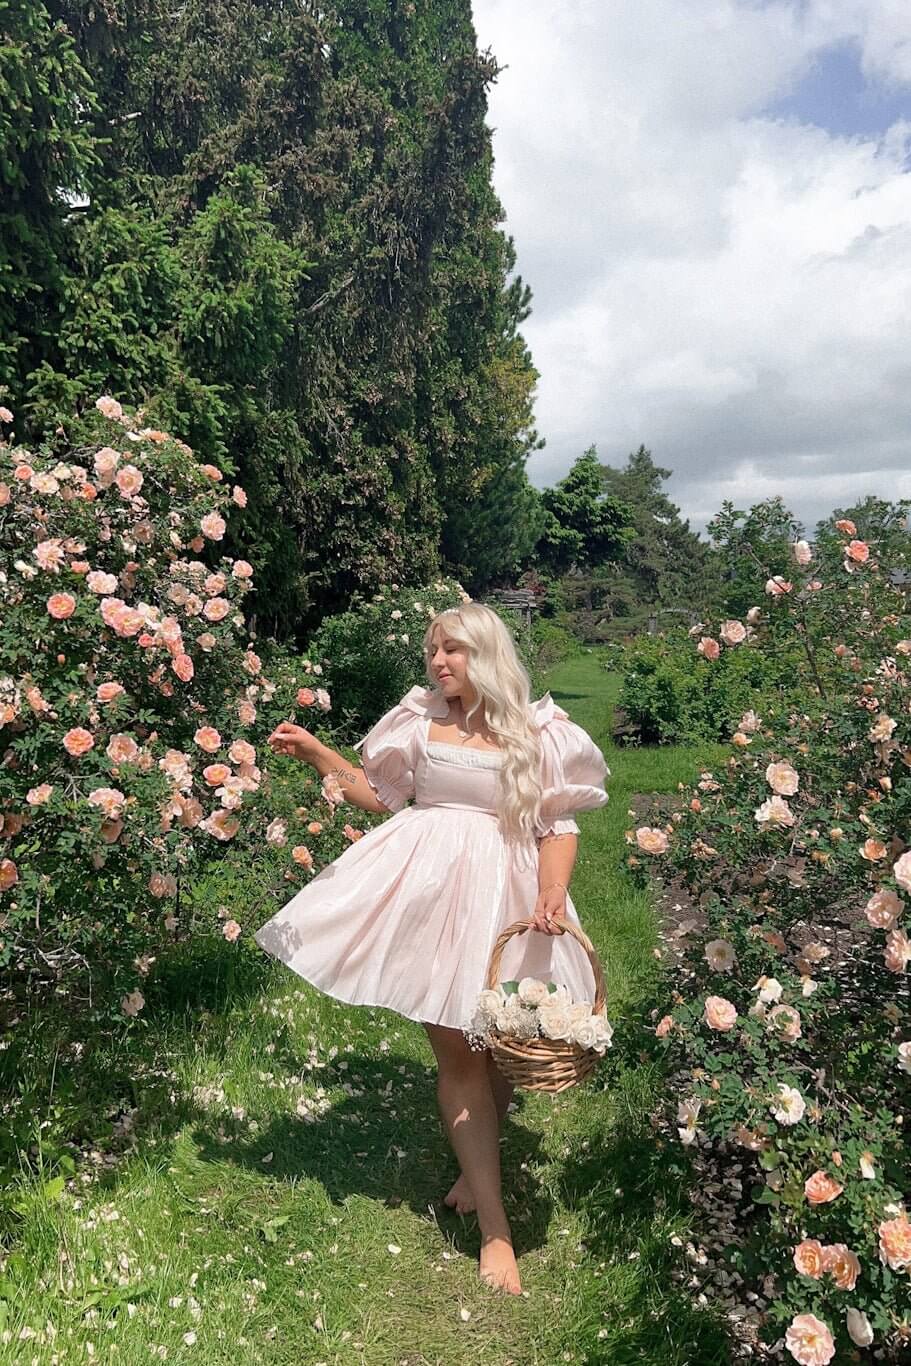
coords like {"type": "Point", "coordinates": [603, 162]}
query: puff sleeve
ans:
{"type": "Point", "coordinates": [388, 756]}
{"type": "Point", "coordinates": [573, 776]}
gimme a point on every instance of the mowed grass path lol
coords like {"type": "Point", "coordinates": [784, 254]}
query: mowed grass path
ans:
{"type": "Point", "coordinates": [278, 1194]}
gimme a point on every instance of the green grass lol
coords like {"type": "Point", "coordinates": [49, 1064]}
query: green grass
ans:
{"type": "Point", "coordinates": [222, 1211]}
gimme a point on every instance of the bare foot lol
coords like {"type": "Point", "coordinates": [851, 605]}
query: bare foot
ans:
{"type": "Point", "coordinates": [498, 1265]}
{"type": "Point", "coordinates": [460, 1197]}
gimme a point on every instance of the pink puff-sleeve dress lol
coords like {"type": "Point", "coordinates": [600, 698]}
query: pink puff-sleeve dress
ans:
{"type": "Point", "coordinates": [407, 916]}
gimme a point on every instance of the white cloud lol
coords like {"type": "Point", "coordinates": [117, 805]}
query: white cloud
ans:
{"type": "Point", "coordinates": [731, 290]}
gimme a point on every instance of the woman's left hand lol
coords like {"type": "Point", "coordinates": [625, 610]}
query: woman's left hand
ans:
{"type": "Point", "coordinates": [549, 904]}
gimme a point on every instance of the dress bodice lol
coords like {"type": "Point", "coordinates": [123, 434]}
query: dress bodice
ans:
{"type": "Point", "coordinates": [450, 775]}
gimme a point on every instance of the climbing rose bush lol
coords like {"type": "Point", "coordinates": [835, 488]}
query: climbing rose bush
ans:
{"type": "Point", "coordinates": [133, 703]}
{"type": "Point", "coordinates": [788, 1025]}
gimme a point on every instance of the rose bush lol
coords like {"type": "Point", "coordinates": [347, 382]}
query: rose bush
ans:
{"type": "Point", "coordinates": [789, 1025]}
{"type": "Point", "coordinates": [134, 706]}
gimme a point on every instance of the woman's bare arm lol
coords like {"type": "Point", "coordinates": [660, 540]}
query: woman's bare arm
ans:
{"type": "Point", "coordinates": [351, 779]}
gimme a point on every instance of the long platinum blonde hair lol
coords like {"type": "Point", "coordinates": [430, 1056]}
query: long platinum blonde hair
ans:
{"type": "Point", "coordinates": [499, 678]}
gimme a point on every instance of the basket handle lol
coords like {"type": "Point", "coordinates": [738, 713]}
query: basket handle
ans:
{"type": "Point", "coordinates": [521, 926]}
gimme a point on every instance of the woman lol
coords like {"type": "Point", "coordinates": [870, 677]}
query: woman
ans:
{"type": "Point", "coordinates": [407, 916]}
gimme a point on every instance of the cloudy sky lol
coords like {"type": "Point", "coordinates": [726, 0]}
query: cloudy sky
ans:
{"type": "Point", "coordinates": [711, 201]}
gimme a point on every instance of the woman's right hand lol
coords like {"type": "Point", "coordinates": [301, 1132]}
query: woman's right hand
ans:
{"type": "Point", "coordinates": [287, 738]}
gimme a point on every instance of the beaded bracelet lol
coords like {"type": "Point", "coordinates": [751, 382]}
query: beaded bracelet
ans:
{"type": "Point", "coordinates": [556, 884]}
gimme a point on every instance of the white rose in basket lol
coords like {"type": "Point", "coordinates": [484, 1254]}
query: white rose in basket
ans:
{"type": "Point", "coordinates": [555, 1021]}
{"type": "Point", "coordinates": [594, 1032]}
{"type": "Point", "coordinates": [532, 992]}
{"type": "Point", "coordinates": [579, 1012]}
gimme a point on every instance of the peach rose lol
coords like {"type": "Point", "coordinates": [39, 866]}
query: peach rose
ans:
{"type": "Point", "coordinates": [6, 494]}
{"type": "Point", "coordinates": [884, 909]}
{"type": "Point", "coordinates": [898, 951]}
{"type": "Point", "coordinates": [129, 481]}
{"type": "Point", "coordinates": [61, 606]}
{"type": "Point", "coordinates": [858, 551]}
{"type": "Point", "coordinates": [208, 738]}
{"type": "Point", "coordinates": [301, 854]}
{"type": "Point", "coordinates": [222, 825]}
{"type": "Point", "coordinates": [820, 1188]}
{"type": "Point", "coordinates": [802, 552]}
{"type": "Point", "coordinates": [709, 648]}
{"type": "Point", "coordinates": [37, 796]}
{"type": "Point", "coordinates": [122, 749]}
{"type": "Point", "coordinates": [108, 691]}
{"type": "Point", "coordinates": [776, 586]}
{"type": "Point", "coordinates": [733, 632]}
{"type": "Point", "coordinates": [183, 667]}
{"type": "Point", "coordinates": [78, 741]}
{"type": "Point", "coordinates": [664, 1026]}
{"type": "Point", "coordinates": [109, 407]}
{"type": "Point", "coordinates": [872, 850]}
{"type": "Point", "coordinates": [110, 800]}
{"type": "Point", "coordinates": [719, 1013]}
{"type": "Point", "coordinates": [9, 874]}
{"type": "Point", "coordinates": [847, 526]}
{"type": "Point", "coordinates": [242, 752]}
{"type": "Point", "coordinates": [808, 1258]}
{"type": "Point", "coordinates": [246, 713]}
{"type": "Point", "coordinates": [782, 778]}
{"type": "Point", "coordinates": [215, 774]}
{"type": "Point", "coordinates": [901, 871]}
{"type": "Point", "coordinates": [239, 497]}
{"type": "Point", "coordinates": [212, 471]}
{"type": "Point", "coordinates": [787, 1021]}
{"type": "Point", "coordinates": [774, 811]}
{"type": "Point", "coordinates": [213, 526]}
{"type": "Point", "coordinates": [895, 1242]}
{"type": "Point", "coordinates": [651, 840]}
{"type": "Point", "coordinates": [809, 1341]}
{"type": "Point", "coordinates": [841, 1264]}
{"type": "Point", "coordinates": [216, 609]}
{"type": "Point", "coordinates": [882, 728]}
{"type": "Point", "coordinates": [306, 697]}
{"type": "Point", "coordinates": [242, 569]}
{"type": "Point", "coordinates": [231, 930]}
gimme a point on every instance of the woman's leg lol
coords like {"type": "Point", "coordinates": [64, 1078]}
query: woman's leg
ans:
{"type": "Point", "coordinates": [469, 1117]}
{"type": "Point", "coordinates": [460, 1197]}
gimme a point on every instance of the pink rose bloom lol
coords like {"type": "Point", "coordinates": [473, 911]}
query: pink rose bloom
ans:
{"type": "Point", "coordinates": [108, 691]}
{"type": "Point", "coordinates": [719, 1013]}
{"type": "Point", "coordinates": [750, 722]}
{"type": "Point", "coordinates": [774, 812]}
{"type": "Point", "coordinates": [99, 582]}
{"type": "Point", "coordinates": [733, 632]}
{"type": "Point", "coordinates": [221, 825]}
{"type": "Point", "coordinates": [213, 526]}
{"type": "Point", "coordinates": [808, 1258]}
{"type": "Point", "coordinates": [901, 871]}
{"type": "Point", "coordinates": [49, 554]}
{"type": "Point", "coordinates": [37, 796]}
{"type": "Point", "coordinates": [252, 662]}
{"type": "Point", "coordinates": [246, 713]}
{"type": "Point", "coordinates": [216, 609]}
{"type": "Point", "coordinates": [777, 585]}
{"type": "Point", "coordinates": [109, 799]}
{"type": "Point", "coordinates": [231, 930]}
{"type": "Point", "coordinates": [78, 741]}
{"type": "Point", "coordinates": [215, 774]}
{"type": "Point", "coordinates": [872, 850]}
{"type": "Point", "coordinates": [23, 473]}
{"type": "Point", "coordinates": [847, 526]}
{"type": "Point", "coordinates": [214, 584]}
{"type": "Point", "coordinates": [895, 1242]}
{"type": "Point", "coordinates": [239, 497]}
{"type": "Point", "coordinates": [664, 1026]}
{"type": "Point", "coordinates": [842, 1265]}
{"type": "Point", "coordinates": [6, 494]}
{"type": "Point", "coordinates": [212, 471]}
{"type": "Point", "coordinates": [301, 854]}
{"type": "Point", "coordinates": [183, 667]}
{"type": "Point", "coordinates": [786, 1020]}
{"type": "Point", "coordinates": [129, 480]}
{"type": "Point", "coordinates": [802, 552]}
{"type": "Point", "coordinates": [9, 874]}
{"type": "Point", "coordinates": [122, 749]}
{"type": "Point", "coordinates": [242, 569]}
{"type": "Point", "coordinates": [105, 462]}
{"type": "Point", "coordinates": [858, 551]}
{"type": "Point", "coordinates": [306, 697]}
{"type": "Point", "coordinates": [651, 840]}
{"type": "Point", "coordinates": [709, 648]}
{"type": "Point", "coordinates": [208, 738]}
{"type": "Point", "coordinates": [5, 415]}
{"type": "Point", "coordinates": [109, 407]}
{"type": "Point", "coordinates": [42, 482]}
{"type": "Point", "coordinates": [809, 1341]}
{"type": "Point", "coordinates": [206, 641]}
{"type": "Point", "coordinates": [782, 778]}
{"type": "Point", "coordinates": [61, 606]}
{"type": "Point", "coordinates": [884, 908]}
{"type": "Point", "coordinates": [898, 951]}
{"type": "Point", "coordinates": [820, 1188]}
{"type": "Point", "coordinates": [242, 752]}
{"type": "Point", "coordinates": [322, 697]}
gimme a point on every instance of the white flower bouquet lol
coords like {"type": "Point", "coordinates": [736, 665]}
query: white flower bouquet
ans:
{"type": "Point", "coordinates": [531, 1009]}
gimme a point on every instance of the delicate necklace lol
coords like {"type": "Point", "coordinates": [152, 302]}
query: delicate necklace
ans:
{"type": "Point", "coordinates": [467, 734]}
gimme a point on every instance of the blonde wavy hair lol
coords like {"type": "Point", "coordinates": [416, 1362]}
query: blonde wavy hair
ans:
{"type": "Point", "coordinates": [499, 678]}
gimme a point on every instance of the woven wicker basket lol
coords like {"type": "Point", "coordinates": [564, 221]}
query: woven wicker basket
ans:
{"type": "Point", "coordinates": [543, 1064]}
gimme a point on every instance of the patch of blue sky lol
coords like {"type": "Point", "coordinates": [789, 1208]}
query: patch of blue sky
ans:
{"type": "Point", "coordinates": [836, 95]}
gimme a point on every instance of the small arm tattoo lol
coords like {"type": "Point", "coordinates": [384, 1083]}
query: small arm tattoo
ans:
{"type": "Point", "coordinates": [348, 775]}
